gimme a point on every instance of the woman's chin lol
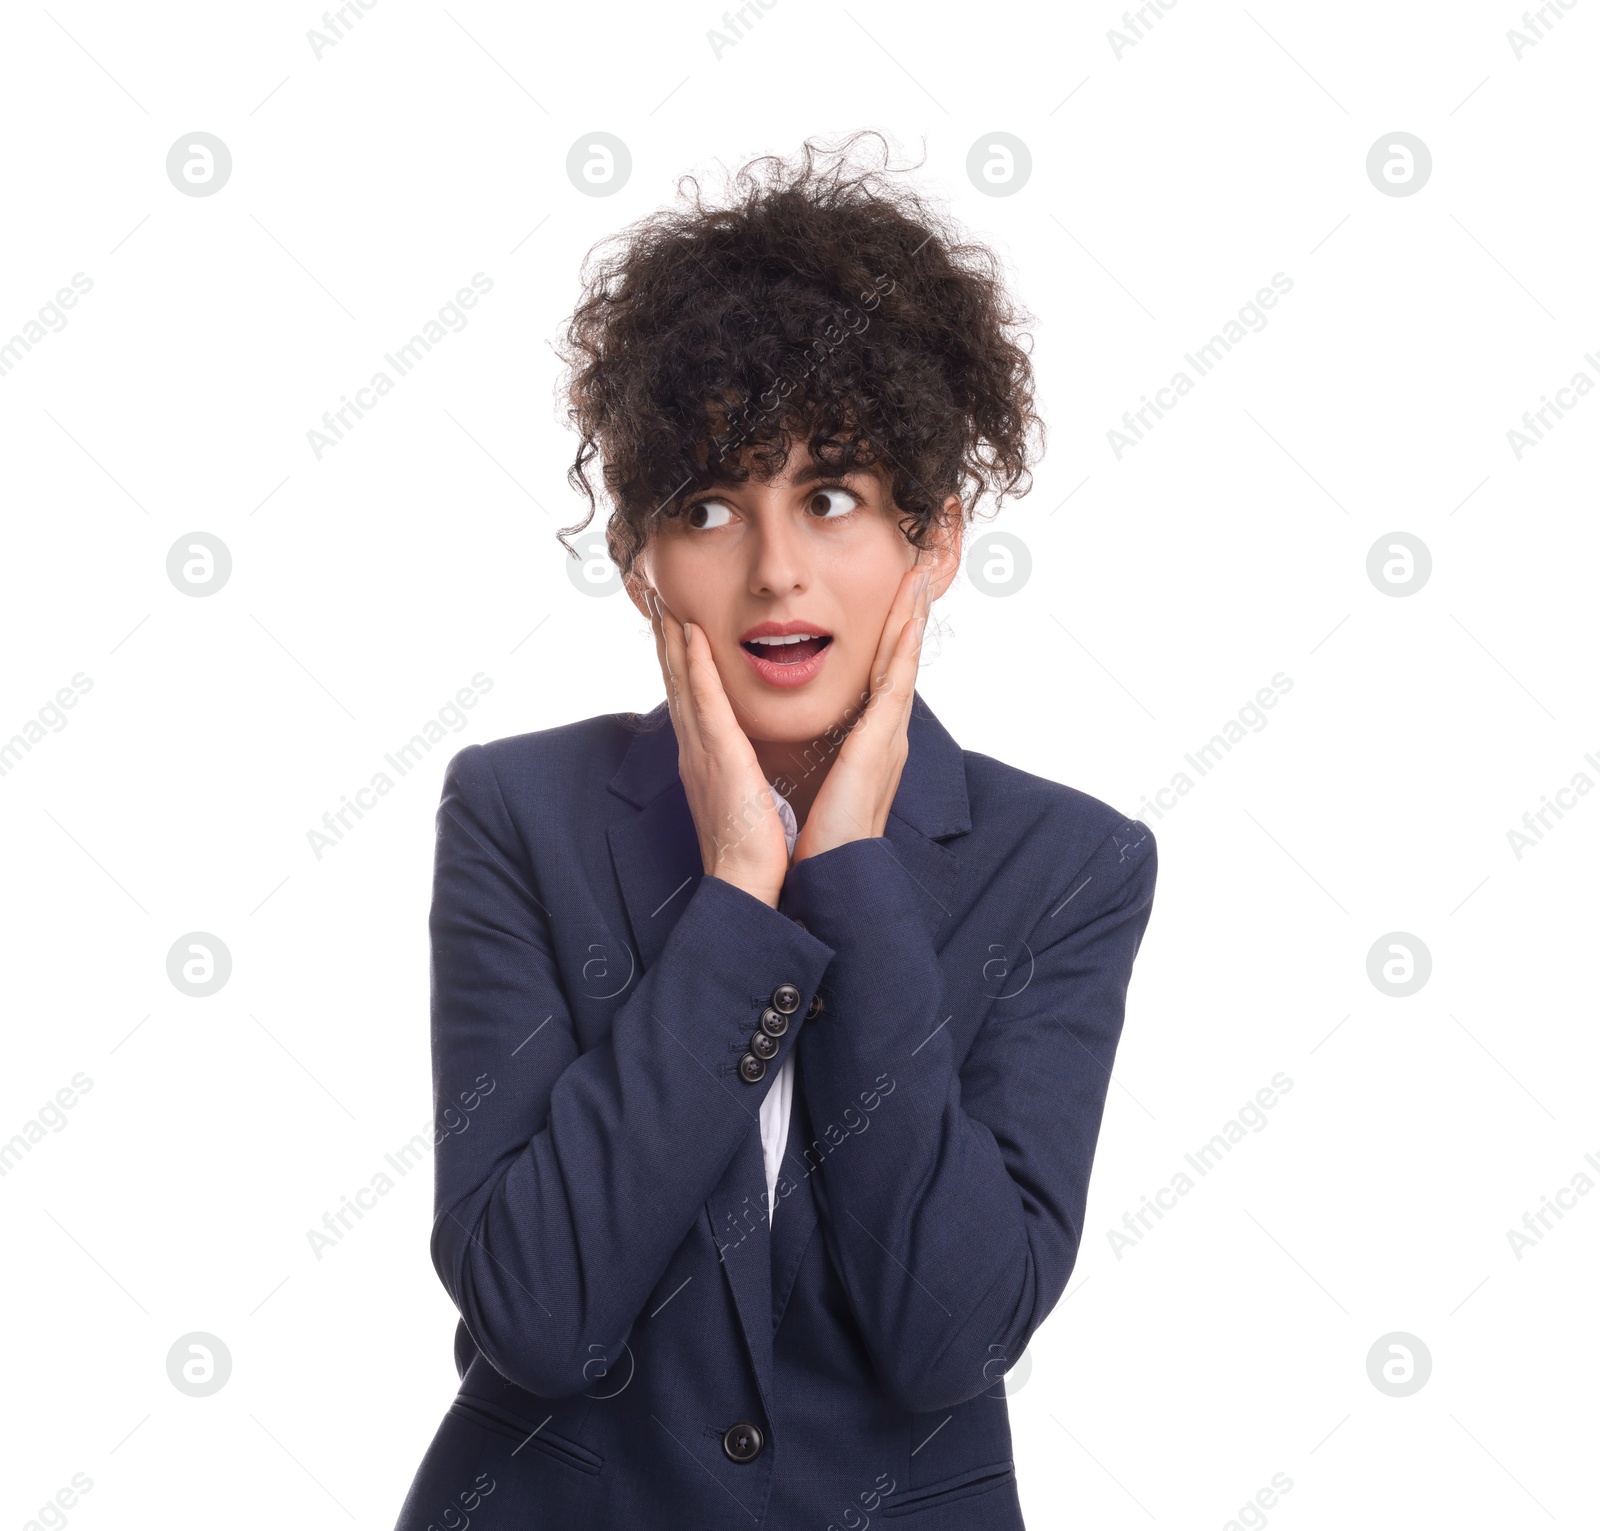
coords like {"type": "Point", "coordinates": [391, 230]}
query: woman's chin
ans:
{"type": "Point", "coordinates": [802, 716]}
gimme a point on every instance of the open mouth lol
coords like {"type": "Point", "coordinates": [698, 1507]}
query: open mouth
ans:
{"type": "Point", "coordinates": [786, 653]}
{"type": "Point", "coordinates": [793, 650]}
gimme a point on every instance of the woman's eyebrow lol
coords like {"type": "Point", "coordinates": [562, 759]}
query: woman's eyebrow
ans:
{"type": "Point", "coordinates": [806, 474]}
{"type": "Point", "coordinates": [816, 470]}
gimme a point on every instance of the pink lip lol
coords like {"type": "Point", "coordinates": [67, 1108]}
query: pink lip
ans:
{"type": "Point", "coordinates": [785, 675]}
{"type": "Point", "coordinates": [782, 630]}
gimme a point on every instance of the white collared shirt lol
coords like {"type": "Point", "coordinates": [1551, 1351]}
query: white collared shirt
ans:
{"type": "Point", "coordinates": [775, 1108]}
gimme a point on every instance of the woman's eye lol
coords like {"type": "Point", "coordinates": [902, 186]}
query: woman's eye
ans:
{"type": "Point", "coordinates": [708, 513]}
{"type": "Point", "coordinates": [832, 504]}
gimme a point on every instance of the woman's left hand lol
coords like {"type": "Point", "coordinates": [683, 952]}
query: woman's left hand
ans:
{"type": "Point", "coordinates": [853, 801]}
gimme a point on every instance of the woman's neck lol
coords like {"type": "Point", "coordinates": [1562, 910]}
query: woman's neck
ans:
{"type": "Point", "coordinates": [796, 770]}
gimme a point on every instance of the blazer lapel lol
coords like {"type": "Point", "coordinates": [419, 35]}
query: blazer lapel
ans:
{"type": "Point", "coordinates": [792, 1232]}
{"type": "Point", "coordinates": [929, 865]}
{"type": "Point", "coordinates": [657, 860]}
{"type": "Point", "coordinates": [656, 854]}
{"type": "Point", "coordinates": [738, 1218]}
{"type": "Point", "coordinates": [929, 805]}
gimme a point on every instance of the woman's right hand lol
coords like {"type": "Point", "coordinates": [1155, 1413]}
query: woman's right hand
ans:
{"type": "Point", "coordinates": [741, 836]}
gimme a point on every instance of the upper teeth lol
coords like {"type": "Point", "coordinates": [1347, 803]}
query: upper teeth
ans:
{"type": "Point", "coordinates": [792, 638]}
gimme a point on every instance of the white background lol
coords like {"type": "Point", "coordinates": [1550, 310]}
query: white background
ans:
{"type": "Point", "coordinates": [1168, 184]}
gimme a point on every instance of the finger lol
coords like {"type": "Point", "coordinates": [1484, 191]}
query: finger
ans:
{"type": "Point", "coordinates": [692, 733]}
{"type": "Point", "coordinates": [900, 684]}
{"type": "Point", "coordinates": [899, 609]}
{"type": "Point", "coordinates": [658, 635]}
{"type": "Point", "coordinates": [724, 741]}
{"type": "Point", "coordinates": [916, 614]}
{"type": "Point", "coordinates": [675, 669]}
{"type": "Point", "coordinates": [713, 711]}
{"type": "Point", "coordinates": [886, 706]}
{"type": "Point", "coordinates": [658, 629]}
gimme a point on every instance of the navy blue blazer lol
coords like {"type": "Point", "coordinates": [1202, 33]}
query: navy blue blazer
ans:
{"type": "Point", "coordinates": [636, 1348]}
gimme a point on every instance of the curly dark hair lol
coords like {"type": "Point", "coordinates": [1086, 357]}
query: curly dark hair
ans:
{"type": "Point", "coordinates": [824, 302]}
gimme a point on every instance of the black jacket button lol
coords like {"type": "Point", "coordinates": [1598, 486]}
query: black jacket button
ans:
{"type": "Point", "coordinates": [742, 1442]}
{"type": "Point", "coordinates": [786, 999]}
{"type": "Point", "coordinates": [814, 1009]}
{"type": "Point", "coordinates": [763, 1046]}
{"type": "Point", "coordinates": [752, 1069]}
{"type": "Point", "coordinates": [773, 1023]}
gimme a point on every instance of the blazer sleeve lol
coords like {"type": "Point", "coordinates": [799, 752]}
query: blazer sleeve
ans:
{"type": "Point", "coordinates": [955, 1217]}
{"type": "Point", "coordinates": [565, 1180]}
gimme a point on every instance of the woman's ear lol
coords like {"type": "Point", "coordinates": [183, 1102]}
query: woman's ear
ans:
{"type": "Point", "coordinates": [637, 585]}
{"type": "Point", "coordinates": [943, 556]}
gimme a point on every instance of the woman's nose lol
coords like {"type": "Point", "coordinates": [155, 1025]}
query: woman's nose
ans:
{"type": "Point", "coordinates": [778, 558]}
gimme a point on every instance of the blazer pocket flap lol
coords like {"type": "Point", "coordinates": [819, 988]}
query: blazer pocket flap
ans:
{"type": "Point", "coordinates": [514, 1427]}
{"type": "Point", "coordinates": [967, 1485]}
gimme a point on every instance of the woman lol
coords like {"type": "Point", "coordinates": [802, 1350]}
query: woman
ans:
{"type": "Point", "coordinates": [780, 1026]}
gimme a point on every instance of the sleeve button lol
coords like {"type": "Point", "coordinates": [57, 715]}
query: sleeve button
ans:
{"type": "Point", "coordinates": [752, 1069]}
{"type": "Point", "coordinates": [763, 1046]}
{"type": "Point", "coordinates": [786, 999]}
{"type": "Point", "coordinates": [774, 1023]}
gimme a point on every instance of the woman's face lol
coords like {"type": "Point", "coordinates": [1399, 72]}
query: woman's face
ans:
{"type": "Point", "coordinates": [808, 555]}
